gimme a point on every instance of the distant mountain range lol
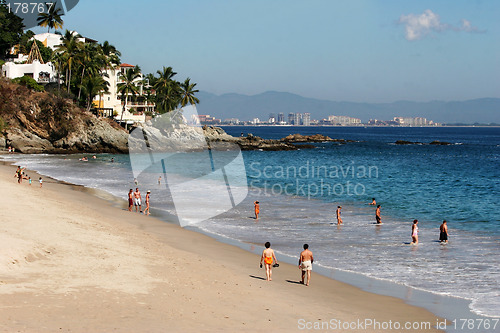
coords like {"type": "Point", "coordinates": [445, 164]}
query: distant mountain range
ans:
{"type": "Point", "coordinates": [243, 107]}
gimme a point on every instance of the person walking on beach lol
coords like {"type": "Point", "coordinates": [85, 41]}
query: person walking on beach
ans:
{"type": "Point", "coordinates": [339, 218]}
{"type": "Point", "coordinates": [268, 257]}
{"type": "Point", "coordinates": [256, 209]}
{"type": "Point", "coordinates": [305, 263]}
{"type": "Point", "coordinates": [159, 180]}
{"type": "Point", "coordinates": [148, 193]}
{"type": "Point", "coordinates": [40, 180]}
{"type": "Point", "coordinates": [377, 215]}
{"type": "Point", "coordinates": [130, 200]}
{"type": "Point", "coordinates": [373, 203]}
{"type": "Point", "coordinates": [414, 233]}
{"type": "Point", "coordinates": [137, 200]}
{"type": "Point", "coordinates": [443, 232]}
{"type": "Point", "coordinates": [29, 181]}
{"type": "Point", "coordinates": [19, 174]}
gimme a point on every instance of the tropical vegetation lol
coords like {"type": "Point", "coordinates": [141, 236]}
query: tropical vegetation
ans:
{"type": "Point", "coordinates": [83, 65]}
{"type": "Point", "coordinates": [51, 19]}
{"type": "Point", "coordinates": [11, 30]}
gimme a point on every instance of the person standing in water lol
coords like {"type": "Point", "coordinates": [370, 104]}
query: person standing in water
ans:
{"type": "Point", "coordinates": [268, 257]}
{"type": "Point", "coordinates": [373, 203]}
{"type": "Point", "coordinates": [377, 215]}
{"type": "Point", "coordinates": [414, 233]}
{"type": "Point", "coordinates": [256, 209]}
{"type": "Point", "coordinates": [443, 232]}
{"type": "Point", "coordinates": [339, 218]}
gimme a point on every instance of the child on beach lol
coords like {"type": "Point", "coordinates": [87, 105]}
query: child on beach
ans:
{"type": "Point", "coordinates": [29, 180]}
{"type": "Point", "coordinates": [40, 180]}
{"type": "Point", "coordinates": [256, 209]}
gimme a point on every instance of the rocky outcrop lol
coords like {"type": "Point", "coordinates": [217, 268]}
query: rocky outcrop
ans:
{"type": "Point", "coordinates": [251, 142]}
{"type": "Point", "coordinates": [39, 122]}
{"type": "Point", "coordinates": [440, 143]}
{"type": "Point", "coordinates": [298, 138]}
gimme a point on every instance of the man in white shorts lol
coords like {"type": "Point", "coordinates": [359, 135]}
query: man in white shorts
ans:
{"type": "Point", "coordinates": [305, 263]}
{"type": "Point", "coordinates": [137, 200]}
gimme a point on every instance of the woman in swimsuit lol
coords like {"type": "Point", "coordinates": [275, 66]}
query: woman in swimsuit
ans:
{"type": "Point", "coordinates": [256, 209]}
{"type": "Point", "coordinates": [268, 257]}
{"type": "Point", "coordinates": [414, 232]}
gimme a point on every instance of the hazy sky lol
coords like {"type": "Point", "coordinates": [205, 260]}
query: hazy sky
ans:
{"type": "Point", "coordinates": [363, 51]}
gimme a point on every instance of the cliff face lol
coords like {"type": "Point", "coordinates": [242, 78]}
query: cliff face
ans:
{"type": "Point", "coordinates": [35, 122]}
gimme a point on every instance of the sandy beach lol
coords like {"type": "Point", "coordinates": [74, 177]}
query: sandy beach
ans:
{"type": "Point", "coordinates": [70, 261]}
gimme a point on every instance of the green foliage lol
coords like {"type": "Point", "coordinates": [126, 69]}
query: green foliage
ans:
{"type": "Point", "coordinates": [169, 93]}
{"type": "Point", "coordinates": [28, 82]}
{"type": "Point", "coordinates": [23, 42]}
{"type": "Point", "coordinates": [93, 86]}
{"type": "Point", "coordinates": [52, 19]}
{"type": "Point", "coordinates": [11, 30]}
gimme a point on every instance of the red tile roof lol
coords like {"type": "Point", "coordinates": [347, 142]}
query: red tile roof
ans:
{"type": "Point", "coordinates": [126, 65]}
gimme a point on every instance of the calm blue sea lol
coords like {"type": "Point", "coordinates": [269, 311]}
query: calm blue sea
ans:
{"type": "Point", "coordinates": [300, 190]}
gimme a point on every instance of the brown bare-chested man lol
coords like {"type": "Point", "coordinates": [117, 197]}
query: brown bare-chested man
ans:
{"type": "Point", "coordinates": [377, 215]}
{"type": "Point", "coordinates": [443, 232]}
{"type": "Point", "coordinates": [137, 200]}
{"type": "Point", "coordinates": [305, 263]}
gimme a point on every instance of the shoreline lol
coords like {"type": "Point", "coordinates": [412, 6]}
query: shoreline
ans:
{"type": "Point", "coordinates": [242, 263]}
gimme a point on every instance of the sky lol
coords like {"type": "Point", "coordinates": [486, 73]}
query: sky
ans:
{"type": "Point", "coordinates": [356, 50]}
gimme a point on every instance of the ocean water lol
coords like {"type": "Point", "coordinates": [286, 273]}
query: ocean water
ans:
{"type": "Point", "coordinates": [300, 190]}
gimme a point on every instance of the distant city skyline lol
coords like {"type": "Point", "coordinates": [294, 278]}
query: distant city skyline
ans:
{"type": "Point", "coordinates": [360, 51]}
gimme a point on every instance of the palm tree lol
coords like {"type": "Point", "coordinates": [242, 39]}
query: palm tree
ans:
{"type": "Point", "coordinates": [70, 48]}
{"type": "Point", "coordinates": [57, 61]}
{"type": "Point", "coordinates": [167, 90]}
{"type": "Point", "coordinates": [128, 86]}
{"type": "Point", "coordinates": [188, 91]}
{"type": "Point", "coordinates": [93, 86]}
{"type": "Point", "coordinates": [52, 19]}
{"type": "Point", "coordinates": [111, 53]}
{"type": "Point", "coordinates": [90, 60]}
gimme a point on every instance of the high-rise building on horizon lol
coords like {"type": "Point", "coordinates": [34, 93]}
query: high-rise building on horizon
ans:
{"type": "Point", "coordinates": [296, 118]}
{"type": "Point", "coordinates": [306, 119]}
{"type": "Point", "coordinates": [281, 118]}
